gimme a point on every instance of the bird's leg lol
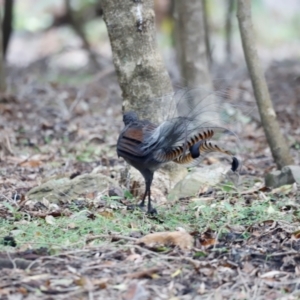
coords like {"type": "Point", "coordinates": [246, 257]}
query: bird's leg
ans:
{"type": "Point", "coordinates": [151, 209]}
{"type": "Point", "coordinates": [148, 175]}
{"type": "Point", "coordinates": [142, 204]}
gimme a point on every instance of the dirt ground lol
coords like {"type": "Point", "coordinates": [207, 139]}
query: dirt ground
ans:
{"type": "Point", "coordinates": [64, 127]}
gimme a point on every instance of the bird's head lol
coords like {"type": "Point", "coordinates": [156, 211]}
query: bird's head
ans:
{"type": "Point", "coordinates": [130, 117]}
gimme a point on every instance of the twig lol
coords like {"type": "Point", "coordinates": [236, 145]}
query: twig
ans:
{"type": "Point", "coordinates": [105, 236]}
{"type": "Point", "coordinates": [195, 263]}
{"type": "Point", "coordinates": [78, 99]}
{"type": "Point", "coordinates": [283, 253]}
{"type": "Point", "coordinates": [11, 260]}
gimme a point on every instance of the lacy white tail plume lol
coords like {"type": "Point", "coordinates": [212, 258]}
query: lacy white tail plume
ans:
{"type": "Point", "coordinates": [188, 117]}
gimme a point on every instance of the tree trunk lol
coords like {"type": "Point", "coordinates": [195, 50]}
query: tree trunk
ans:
{"type": "Point", "coordinates": [190, 44]}
{"type": "Point", "coordinates": [141, 73]}
{"type": "Point", "coordinates": [192, 56]}
{"type": "Point", "coordinates": [276, 141]}
{"type": "Point", "coordinates": [78, 29]}
{"type": "Point", "coordinates": [228, 28]}
{"type": "Point", "coordinates": [7, 24]}
{"type": "Point", "coordinates": [2, 64]}
{"type": "Point", "coordinates": [207, 32]}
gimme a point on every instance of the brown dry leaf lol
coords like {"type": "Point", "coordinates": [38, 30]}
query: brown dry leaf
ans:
{"type": "Point", "coordinates": [255, 189]}
{"type": "Point", "coordinates": [85, 282]}
{"type": "Point", "coordinates": [296, 235]}
{"type": "Point", "coordinates": [31, 163]}
{"type": "Point", "coordinates": [177, 238]}
{"type": "Point", "coordinates": [143, 274]}
{"type": "Point", "coordinates": [101, 282]}
{"type": "Point", "coordinates": [90, 196]}
{"type": "Point", "coordinates": [208, 238]}
{"type": "Point", "coordinates": [106, 214]}
{"type": "Point", "coordinates": [207, 242]}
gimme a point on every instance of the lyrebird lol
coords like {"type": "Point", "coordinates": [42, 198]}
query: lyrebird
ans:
{"type": "Point", "coordinates": [147, 146]}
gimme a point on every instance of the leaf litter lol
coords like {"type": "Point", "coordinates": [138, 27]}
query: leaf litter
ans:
{"type": "Point", "coordinates": [240, 252]}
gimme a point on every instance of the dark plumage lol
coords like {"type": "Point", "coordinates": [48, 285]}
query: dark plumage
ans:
{"type": "Point", "coordinates": [146, 146]}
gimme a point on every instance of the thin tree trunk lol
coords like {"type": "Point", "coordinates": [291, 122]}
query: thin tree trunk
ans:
{"type": "Point", "coordinates": [7, 23]}
{"type": "Point", "coordinates": [192, 56]}
{"type": "Point", "coordinates": [139, 66]}
{"type": "Point", "coordinates": [207, 32]}
{"type": "Point", "coordinates": [190, 43]}
{"type": "Point", "coordinates": [78, 28]}
{"type": "Point", "coordinates": [228, 28]}
{"type": "Point", "coordinates": [2, 64]}
{"type": "Point", "coordinates": [277, 143]}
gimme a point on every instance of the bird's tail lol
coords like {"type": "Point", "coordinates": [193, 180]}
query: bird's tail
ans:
{"type": "Point", "coordinates": [196, 117]}
{"type": "Point", "coordinates": [204, 147]}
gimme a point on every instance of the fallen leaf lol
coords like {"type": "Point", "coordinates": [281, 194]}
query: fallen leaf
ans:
{"type": "Point", "coordinates": [31, 163]}
{"type": "Point", "coordinates": [50, 220]}
{"type": "Point", "coordinates": [134, 257]}
{"type": "Point", "coordinates": [282, 190]}
{"type": "Point", "coordinates": [101, 282]}
{"type": "Point", "coordinates": [201, 289]}
{"type": "Point", "coordinates": [61, 282]}
{"type": "Point", "coordinates": [143, 274]}
{"type": "Point", "coordinates": [176, 273]}
{"type": "Point", "coordinates": [176, 238]}
{"type": "Point", "coordinates": [272, 274]}
{"type": "Point", "coordinates": [120, 287]}
{"type": "Point", "coordinates": [296, 235]}
{"type": "Point", "coordinates": [72, 226]}
{"type": "Point", "coordinates": [207, 238]}
{"type": "Point", "coordinates": [106, 214]}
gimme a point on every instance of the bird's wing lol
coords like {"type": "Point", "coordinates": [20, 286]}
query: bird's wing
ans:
{"type": "Point", "coordinates": [131, 140]}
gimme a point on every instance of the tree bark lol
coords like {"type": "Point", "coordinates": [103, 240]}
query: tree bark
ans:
{"type": "Point", "coordinates": [207, 32]}
{"type": "Point", "coordinates": [2, 64]}
{"type": "Point", "coordinates": [139, 66]}
{"type": "Point", "coordinates": [78, 29]}
{"type": "Point", "coordinates": [190, 43]}
{"type": "Point", "coordinates": [276, 141]}
{"type": "Point", "coordinates": [228, 28]}
{"type": "Point", "coordinates": [7, 24]}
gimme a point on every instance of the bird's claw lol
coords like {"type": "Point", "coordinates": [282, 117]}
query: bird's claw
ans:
{"type": "Point", "coordinates": [151, 210]}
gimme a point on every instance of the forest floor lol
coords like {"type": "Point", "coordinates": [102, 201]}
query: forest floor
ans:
{"type": "Point", "coordinates": [245, 241]}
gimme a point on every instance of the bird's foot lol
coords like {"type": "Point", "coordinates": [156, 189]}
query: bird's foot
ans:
{"type": "Point", "coordinates": [151, 210]}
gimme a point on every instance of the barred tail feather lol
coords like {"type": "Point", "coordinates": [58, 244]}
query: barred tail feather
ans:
{"type": "Point", "coordinates": [178, 151]}
{"type": "Point", "coordinates": [205, 148]}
